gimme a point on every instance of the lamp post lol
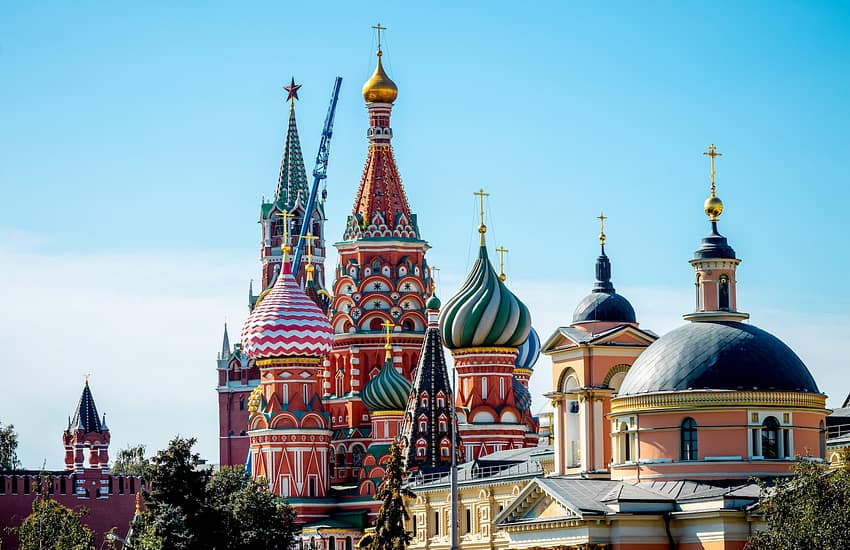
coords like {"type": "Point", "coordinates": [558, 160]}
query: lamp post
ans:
{"type": "Point", "coordinates": [453, 525]}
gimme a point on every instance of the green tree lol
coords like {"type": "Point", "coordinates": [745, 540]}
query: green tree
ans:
{"type": "Point", "coordinates": [808, 510]}
{"type": "Point", "coordinates": [8, 448]}
{"type": "Point", "coordinates": [176, 510]}
{"type": "Point", "coordinates": [130, 461]}
{"type": "Point", "coordinates": [53, 526]}
{"type": "Point", "coordinates": [390, 533]}
{"type": "Point", "coordinates": [248, 515]}
{"type": "Point", "coordinates": [188, 509]}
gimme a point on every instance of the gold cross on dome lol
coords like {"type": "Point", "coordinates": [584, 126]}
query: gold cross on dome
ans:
{"type": "Point", "coordinates": [502, 251]}
{"type": "Point", "coordinates": [602, 217]}
{"type": "Point", "coordinates": [712, 152]}
{"type": "Point", "coordinates": [388, 325]}
{"type": "Point", "coordinates": [434, 272]}
{"type": "Point", "coordinates": [379, 28]}
{"type": "Point", "coordinates": [285, 215]}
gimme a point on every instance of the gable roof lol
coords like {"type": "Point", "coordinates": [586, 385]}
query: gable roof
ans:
{"type": "Point", "coordinates": [568, 337]}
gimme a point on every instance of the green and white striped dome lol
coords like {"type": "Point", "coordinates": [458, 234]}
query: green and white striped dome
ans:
{"type": "Point", "coordinates": [388, 391]}
{"type": "Point", "coordinates": [484, 313]}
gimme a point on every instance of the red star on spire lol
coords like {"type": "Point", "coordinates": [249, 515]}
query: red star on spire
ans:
{"type": "Point", "coordinates": [292, 90]}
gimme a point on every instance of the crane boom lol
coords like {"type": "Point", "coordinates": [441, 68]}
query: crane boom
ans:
{"type": "Point", "coordinates": [320, 171]}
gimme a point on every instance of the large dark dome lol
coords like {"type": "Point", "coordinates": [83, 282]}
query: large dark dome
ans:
{"type": "Point", "coordinates": [602, 306]}
{"type": "Point", "coordinates": [718, 355]}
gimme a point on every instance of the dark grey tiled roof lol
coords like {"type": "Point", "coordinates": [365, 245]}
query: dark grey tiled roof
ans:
{"type": "Point", "coordinates": [602, 306]}
{"type": "Point", "coordinates": [723, 355]}
{"type": "Point", "coordinates": [85, 417]}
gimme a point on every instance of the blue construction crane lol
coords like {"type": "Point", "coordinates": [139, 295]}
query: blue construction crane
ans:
{"type": "Point", "coordinates": [320, 171]}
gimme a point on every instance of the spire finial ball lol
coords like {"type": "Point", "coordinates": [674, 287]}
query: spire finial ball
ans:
{"type": "Point", "coordinates": [713, 207]}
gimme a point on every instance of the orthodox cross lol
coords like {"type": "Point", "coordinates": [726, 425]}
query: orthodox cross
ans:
{"type": "Point", "coordinates": [87, 376]}
{"type": "Point", "coordinates": [285, 246]}
{"type": "Point", "coordinates": [379, 28]}
{"type": "Point", "coordinates": [309, 237]}
{"type": "Point", "coordinates": [292, 91]}
{"type": "Point", "coordinates": [602, 217]}
{"type": "Point", "coordinates": [712, 152]}
{"type": "Point", "coordinates": [388, 325]}
{"type": "Point", "coordinates": [502, 251]}
{"type": "Point", "coordinates": [481, 228]}
{"type": "Point", "coordinates": [434, 272]}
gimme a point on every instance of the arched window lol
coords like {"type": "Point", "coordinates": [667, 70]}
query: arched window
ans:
{"type": "Point", "coordinates": [501, 387]}
{"type": "Point", "coordinates": [688, 440]}
{"type": "Point", "coordinates": [484, 388]}
{"type": "Point", "coordinates": [241, 403]}
{"type": "Point", "coordinates": [625, 444]}
{"type": "Point", "coordinates": [357, 455]}
{"type": "Point", "coordinates": [699, 292]}
{"type": "Point", "coordinates": [723, 293]}
{"type": "Point", "coordinates": [770, 438]}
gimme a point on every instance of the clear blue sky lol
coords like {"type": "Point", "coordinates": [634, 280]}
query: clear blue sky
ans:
{"type": "Point", "coordinates": [152, 130]}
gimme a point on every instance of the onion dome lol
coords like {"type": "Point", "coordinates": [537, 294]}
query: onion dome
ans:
{"type": "Point", "coordinates": [528, 352]}
{"type": "Point", "coordinates": [433, 302]}
{"type": "Point", "coordinates": [484, 313]}
{"type": "Point", "coordinates": [718, 355]}
{"type": "Point", "coordinates": [379, 88]}
{"type": "Point", "coordinates": [522, 397]}
{"type": "Point", "coordinates": [387, 391]}
{"type": "Point", "coordinates": [286, 323]}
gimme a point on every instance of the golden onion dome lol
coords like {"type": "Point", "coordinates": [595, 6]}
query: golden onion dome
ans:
{"type": "Point", "coordinates": [713, 207]}
{"type": "Point", "coordinates": [379, 88]}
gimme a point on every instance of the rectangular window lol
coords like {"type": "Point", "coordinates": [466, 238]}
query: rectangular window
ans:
{"type": "Point", "coordinates": [501, 387]}
{"type": "Point", "coordinates": [306, 394]}
{"type": "Point", "coordinates": [786, 444]}
{"type": "Point", "coordinates": [436, 523]}
{"type": "Point", "coordinates": [286, 394]}
{"type": "Point", "coordinates": [484, 388]}
{"type": "Point", "coordinates": [468, 523]}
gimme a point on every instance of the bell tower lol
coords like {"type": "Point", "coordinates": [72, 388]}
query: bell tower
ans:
{"type": "Point", "coordinates": [715, 264]}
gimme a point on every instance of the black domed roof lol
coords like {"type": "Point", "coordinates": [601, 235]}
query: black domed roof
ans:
{"type": "Point", "coordinates": [719, 355]}
{"type": "Point", "coordinates": [602, 306]}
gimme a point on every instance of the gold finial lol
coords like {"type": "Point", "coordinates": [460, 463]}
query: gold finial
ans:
{"type": "Point", "coordinates": [379, 28]}
{"type": "Point", "coordinates": [481, 228]}
{"type": "Point", "coordinates": [309, 237]}
{"type": "Point", "coordinates": [602, 217]}
{"type": "Point", "coordinates": [434, 272]}
{"type": "Point", "coordinates": [713, 205]}
{"type": "Point", "coordinates": [138, 503]}
{"type": "Point", "coordinates": [502, 251]}
{"type": "Point", "coordinates": [87, 376]}
{"type": "Point", "coordinates": [388, 347]}
{"type": "Point", "coordinates": [379, 88]}
{"type": "Point", "coordinates": [285, 248]}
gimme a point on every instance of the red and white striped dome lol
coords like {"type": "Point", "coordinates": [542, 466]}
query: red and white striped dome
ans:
{"type": "Point", "coordinates": [286, 323]}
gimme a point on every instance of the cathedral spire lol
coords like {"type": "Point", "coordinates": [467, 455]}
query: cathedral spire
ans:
{"type": "Point", "coordinates": [380, 208]}
{"type": "Point", "coordinates": [225, 344]}
{"type": "Point", "coordinates": [292, 179]}
{"type": "Point", "coordinates": [603, 264]}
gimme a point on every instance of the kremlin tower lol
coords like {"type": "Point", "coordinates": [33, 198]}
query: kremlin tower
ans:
{"type": "Point", "coordinates": [86, 431]}
{"type": "Point", "coordinates": [237, 376]}
{"type": "Point", "coordinates": [381, 279]}
{"type": "Point", "coordinates": [287, 335]}
{"type": "Point", "coordinates": [483, 325]}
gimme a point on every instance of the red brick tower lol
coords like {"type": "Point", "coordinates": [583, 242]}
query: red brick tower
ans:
{"type": "Point", "coordinates": [86, 432]}
{"type": "Point", "coordinates": [382, 277]}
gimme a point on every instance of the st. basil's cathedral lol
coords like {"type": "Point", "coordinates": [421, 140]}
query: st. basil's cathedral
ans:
{"type": "Point", "coordinates": [324, 379]}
